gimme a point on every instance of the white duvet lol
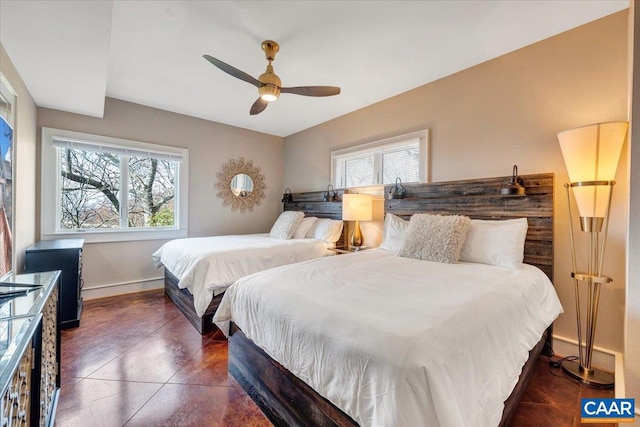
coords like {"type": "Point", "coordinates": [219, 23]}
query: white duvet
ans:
{"type": "Point", "coordinates": [395, 341]}
{"type": "Point", "coordinates": [206, 266]}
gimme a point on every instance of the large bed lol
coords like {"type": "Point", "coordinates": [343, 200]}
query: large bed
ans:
{"type": "Point", "coordinates": [198, 270]}
{"type": "Point", "coordinates": [377, 339]}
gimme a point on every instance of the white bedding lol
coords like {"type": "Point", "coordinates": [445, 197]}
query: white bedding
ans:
{"type": "Point", "coordinates": [206, 266]}
{"type": "Point", "coordinates": [396, 341]}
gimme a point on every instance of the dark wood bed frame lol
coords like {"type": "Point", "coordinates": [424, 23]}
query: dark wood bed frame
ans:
{"type": "Point", "coordinates": [288, 401]}
{"type": "Point", "coordinates": [184, 300]}
{"type": "Point", "coordinates": [311, 203]}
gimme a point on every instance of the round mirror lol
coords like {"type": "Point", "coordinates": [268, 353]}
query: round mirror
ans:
{"type": "Point", "coordinates": [241, 185]}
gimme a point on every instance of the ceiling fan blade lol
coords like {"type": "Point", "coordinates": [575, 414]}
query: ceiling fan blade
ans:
{"type": "Point", "coordinates": [258, 106]}
{"type": "Point", "coordinates": [233, 71]}
{"type": "Point", "coordinates": [312, 90]}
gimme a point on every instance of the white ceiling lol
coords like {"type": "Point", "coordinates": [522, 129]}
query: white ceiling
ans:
{"type": "Point", "coordinates": [71, 54]}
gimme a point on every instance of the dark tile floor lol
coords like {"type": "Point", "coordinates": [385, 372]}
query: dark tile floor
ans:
{"type": "Point", "coordinates": [553, 400]}
{"type": "Point", "coordinates": [136, 361]}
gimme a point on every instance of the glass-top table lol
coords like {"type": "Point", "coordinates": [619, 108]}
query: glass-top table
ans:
{"type": "Point", "coordinates": [21, 294]}
{"type": "Point", "coordinates": [12, 343]}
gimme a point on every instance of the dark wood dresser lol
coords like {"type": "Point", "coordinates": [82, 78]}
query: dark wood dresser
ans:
{"type": "Point", "coordinates": [64, 255]}
{"type": "Point", "coordinates": [29, 350]}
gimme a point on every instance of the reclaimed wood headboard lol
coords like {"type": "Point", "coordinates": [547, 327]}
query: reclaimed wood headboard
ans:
{"type": "Point", "coordinates": [481, 199]}
{"type": "Point", "coordinates": [312, 204]}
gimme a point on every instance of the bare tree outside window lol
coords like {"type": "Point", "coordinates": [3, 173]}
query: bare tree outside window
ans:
{"type": "Point", "coordinates": [359, 172]}
{"type": "Point", "coordinates": [90, 184]}
{"type": "Point", "coordinates": [91, 195]}
{"type": "Point", "coordinates": [403, 164]}
{"type": "Point", "coordinates": [382, 162]}
{"type": "Point", "coordinates": [151, 192]}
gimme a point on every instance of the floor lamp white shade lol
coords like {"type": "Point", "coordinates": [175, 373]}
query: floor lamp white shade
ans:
{"type": "Point", "coordinates": [591, 154]}
{"type": "Point", "coordinates": [357, 207]}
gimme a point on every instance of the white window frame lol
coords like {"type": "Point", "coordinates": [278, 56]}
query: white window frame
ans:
{"type": "Point", "coordinates": [378, 148]}
{"type": "Point", "coordinates": [7, 92]}
{"type": "Point", "coordinates": [51, 182]}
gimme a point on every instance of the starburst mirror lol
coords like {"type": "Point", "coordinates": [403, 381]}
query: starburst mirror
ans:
{"type": "Point", "coordinates": [240, 185]}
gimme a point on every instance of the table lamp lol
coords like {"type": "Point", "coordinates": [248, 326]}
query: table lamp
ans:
{"type": "Point", "coordinates": [357, 207]}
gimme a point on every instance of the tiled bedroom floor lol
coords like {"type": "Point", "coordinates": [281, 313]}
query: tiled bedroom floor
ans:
{"type": "Point", "coordinates": [136, 361]}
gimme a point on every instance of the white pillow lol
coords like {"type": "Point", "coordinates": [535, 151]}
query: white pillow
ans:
{"type": "Point", "coordinates": [395, 230]}
{"type": "Point", "coordinates": [325, 229]}
{"type": "Point", "coordinates": [498, 243]}
{"type": "Point", "coordinates": [286, 224]}
{"type": "Point", "coordinates": [303, 228]}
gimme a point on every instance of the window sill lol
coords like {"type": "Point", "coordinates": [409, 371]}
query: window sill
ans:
{"type": "Point", "coordinates": [117, 236]}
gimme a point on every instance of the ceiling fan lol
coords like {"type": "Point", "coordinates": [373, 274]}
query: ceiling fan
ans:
{"type": "Point", "coordinates": [269, 84]}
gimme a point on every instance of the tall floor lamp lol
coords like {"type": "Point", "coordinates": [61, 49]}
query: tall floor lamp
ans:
{"type": "Point", "coordinates": [591, 155]}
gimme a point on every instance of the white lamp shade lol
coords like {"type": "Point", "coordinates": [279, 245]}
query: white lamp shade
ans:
{"type": "Point", "coordinates": [591, 153]}
{"type": "Point", "coordinates": [357, 207]}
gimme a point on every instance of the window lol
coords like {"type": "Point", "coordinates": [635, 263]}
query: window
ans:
{"type": "Point", "coordinates": [112, 189]}
{"type": "Point", "coordinates": [7, 190]}
{"type": "Point", "coordinates": [381, 162]}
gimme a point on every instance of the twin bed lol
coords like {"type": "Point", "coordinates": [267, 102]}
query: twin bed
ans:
{"type": "Point", "coordinates": [376, 339]}
{"type": "Point", "coordinates": [198, 270]}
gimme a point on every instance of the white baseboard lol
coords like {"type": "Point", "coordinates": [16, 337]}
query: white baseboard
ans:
{"type": "Point", "coordinates": [620, 392]}
{"type": "Point", "coordinates": [602, 358]}
{"type": "Point", "coordinates": [113, 289]}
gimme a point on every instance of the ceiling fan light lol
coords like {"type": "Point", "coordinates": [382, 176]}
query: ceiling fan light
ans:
{"type": "Point", "coordinates": [269, 92]}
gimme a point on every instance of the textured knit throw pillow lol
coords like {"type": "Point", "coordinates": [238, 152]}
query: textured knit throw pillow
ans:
{"type": "Point", "coordinates": [286, 224]}
{"type": "Point", "coordinates": [436, 238]}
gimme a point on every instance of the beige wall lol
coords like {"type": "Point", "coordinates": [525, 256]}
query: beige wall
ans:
{"type": "Point", "coordinates": [25, 162]}
{"type": "Point", "coordinates": [503, 112]}
{"type": "Point", "coordinates": [210, 146]}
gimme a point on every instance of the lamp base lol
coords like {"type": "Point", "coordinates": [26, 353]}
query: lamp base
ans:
{"type": "Point", "coordinates": [595, 378]}
{"type": "Point", "coordinates": [356, 236]}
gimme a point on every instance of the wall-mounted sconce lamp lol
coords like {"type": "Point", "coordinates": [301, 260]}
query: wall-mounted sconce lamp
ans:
{"type": "Point", "coordinates": [287, 197]}
{"type": "Point", "coordinates": [329, 195]}
{"type": "Point", "coordinates": [515, 186]}
{"type": "Point", "coordinates": [397, 191]}
{"type": "Point", "coordinates": [591, 155]}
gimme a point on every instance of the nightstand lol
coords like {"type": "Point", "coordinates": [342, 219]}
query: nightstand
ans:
{"type": "Point", "coordinates": [64, 255]}
{"type": "Point", "coordinates": [347, 250]}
